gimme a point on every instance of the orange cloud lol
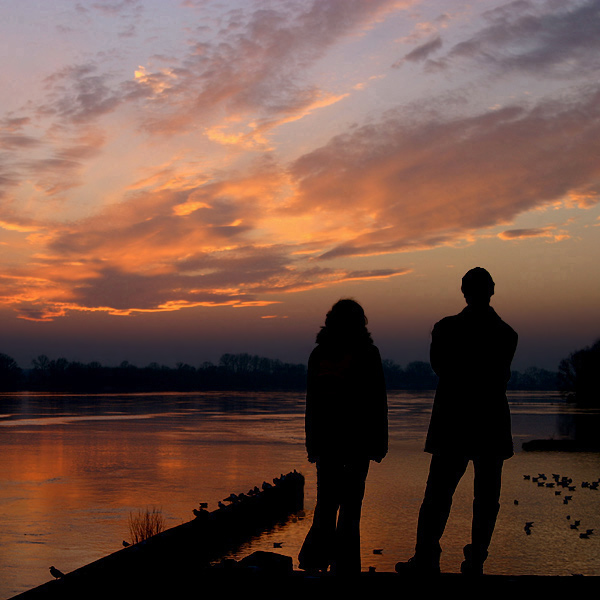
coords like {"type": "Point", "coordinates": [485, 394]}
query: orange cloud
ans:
{"type": "Point", "coordinates": [431, 181]}
{"type": "Point", "coordinates": [220, 220]}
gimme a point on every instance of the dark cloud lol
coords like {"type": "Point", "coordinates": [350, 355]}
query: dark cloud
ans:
{"type": "Point", "coordinates": [513, 234]}
{"type": "Point", "coordinates": [111, 9]}
{"type": "Point", "coordinates": [255, 66]}
{"type": "Point", "coordinates": [258, 64]}
{"type": "Point", "coordinates": [550, 232]}
{"type": "Point", "coordinates": [80, 94]}
{"type": "Point", "coordinates": [418, 184]}
{"type": "Point", "coordinates": [551, 38]}
{"type": "Point", "coordinates": [14, 124]}
{"type": "Point", "coordinates": [15, 141]}
{"type": "Point", "coordinates": [421, 52]}
{"type": "Point", "coordinates": [243, 276]}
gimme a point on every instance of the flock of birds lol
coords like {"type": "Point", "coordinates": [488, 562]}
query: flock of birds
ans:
{"type": "Point", "coordinates": [555, 482]}
{"type": "Point", "coordinates": [233, 499]}
{"type": "Point", "coordinates": [202, 510]}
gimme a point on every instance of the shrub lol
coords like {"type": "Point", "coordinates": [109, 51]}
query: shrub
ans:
{"type": "Point", "coordinates": [145, 524]}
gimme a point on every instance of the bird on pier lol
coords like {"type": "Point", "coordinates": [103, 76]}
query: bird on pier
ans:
{"type": "Point", "coordinates": [203, 505]}
{"type": "Point", "coordinates": [378, 551]}
{"type": "Point", "coordinates": [56, 573]}
{"type": "Point", "coordinates": [516, 502]}
{"type": "Point", "coordinates": [200, 514]}
{"type": "Point", "coordinates": [125, 544]}
{"type": "Point", "coordinates": [277, 544]}
{"type": "Point", "coordinates": [526, 476]}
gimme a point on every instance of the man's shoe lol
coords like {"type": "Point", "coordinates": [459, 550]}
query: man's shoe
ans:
{"type": "Point", "coordinates": [473, 563]}
{"type": "Point", "coordinates": [417, 566]}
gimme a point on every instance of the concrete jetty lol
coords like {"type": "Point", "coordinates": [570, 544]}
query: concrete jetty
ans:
{"type": "Point", "coordinates": [178, 555]}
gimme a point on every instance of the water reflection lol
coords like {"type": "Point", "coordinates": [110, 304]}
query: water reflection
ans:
{"type": "Point", "coordinates": [74, 466]}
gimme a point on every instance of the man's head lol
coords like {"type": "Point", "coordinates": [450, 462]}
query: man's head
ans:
{"type": "Point", "coordinates": [477, 286]}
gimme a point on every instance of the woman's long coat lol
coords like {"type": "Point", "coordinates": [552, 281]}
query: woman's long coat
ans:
{"type": "Point", "coordinates": [346, 402]}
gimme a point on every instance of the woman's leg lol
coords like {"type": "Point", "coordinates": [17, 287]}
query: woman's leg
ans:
{"type": "Point", "coordinates": [352, 491]}
{"type": "Point", "coordinates": [318, 548]}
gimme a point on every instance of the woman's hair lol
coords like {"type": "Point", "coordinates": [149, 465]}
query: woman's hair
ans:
{"type": "Point", "coordinates": [345, 322]}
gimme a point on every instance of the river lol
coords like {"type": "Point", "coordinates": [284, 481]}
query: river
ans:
{"type": "Point", "coordinates": [73, 468]}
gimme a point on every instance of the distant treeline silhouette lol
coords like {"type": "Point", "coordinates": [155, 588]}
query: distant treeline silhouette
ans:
{"type": "Point", "coordinates": [233, 372]}
{"type": "Point", "coordinates": [579, 376]}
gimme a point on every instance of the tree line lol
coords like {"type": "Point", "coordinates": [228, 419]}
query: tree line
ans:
{"type": "Point", "coordinates": [579, 376]}
{"type": "Point", "coordinates": [232, 372]}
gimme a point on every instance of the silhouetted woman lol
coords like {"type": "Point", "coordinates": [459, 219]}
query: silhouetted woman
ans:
{"type": "Point", "coordinates": [346, 428]}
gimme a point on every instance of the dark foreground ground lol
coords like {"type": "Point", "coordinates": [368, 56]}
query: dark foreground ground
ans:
{"type": "Point", "coordinates": [253, 583]}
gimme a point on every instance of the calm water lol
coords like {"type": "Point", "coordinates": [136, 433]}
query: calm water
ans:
{"type": "Point", "coordinates": [73, 467]}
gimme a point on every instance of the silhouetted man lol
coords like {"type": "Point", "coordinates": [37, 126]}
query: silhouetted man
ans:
{"type": "Point", "coordinates": [471, 353]}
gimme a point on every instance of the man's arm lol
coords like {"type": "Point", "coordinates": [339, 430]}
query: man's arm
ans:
{"type": "Point", "coordinates": [438, 350]}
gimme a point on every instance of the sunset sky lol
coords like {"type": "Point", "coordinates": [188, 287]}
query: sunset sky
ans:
{"type": "Point", "coordinates": [184, 178]}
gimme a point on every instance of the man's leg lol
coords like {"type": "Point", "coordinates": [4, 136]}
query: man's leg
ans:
{"type": "Point", "coordinates": [487, 485]}
{"type": "Point", "coordinates": [444, 474]}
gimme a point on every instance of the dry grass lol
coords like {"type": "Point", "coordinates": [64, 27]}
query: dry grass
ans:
{"type": "Point", "coordinates": [145, 524]}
